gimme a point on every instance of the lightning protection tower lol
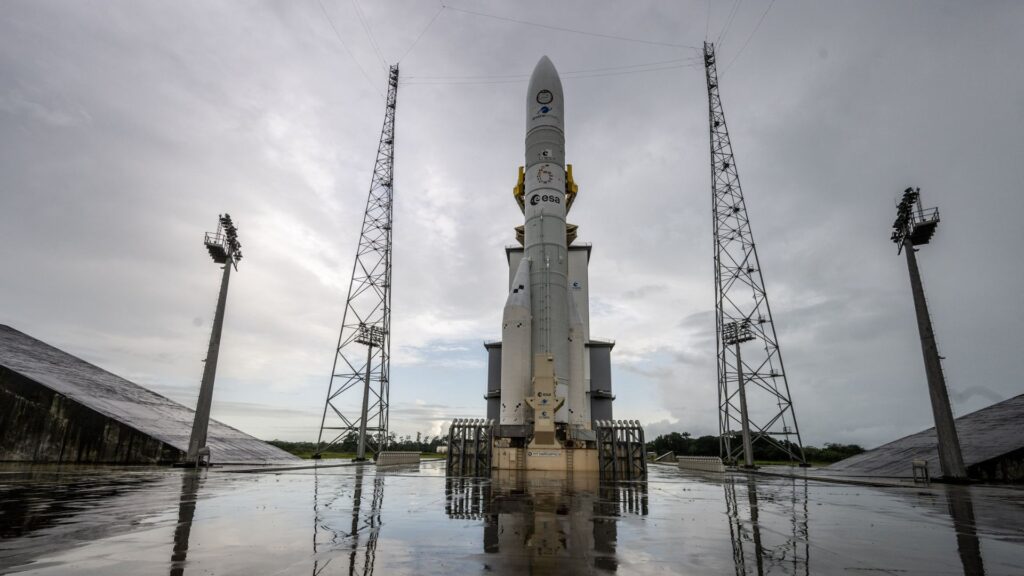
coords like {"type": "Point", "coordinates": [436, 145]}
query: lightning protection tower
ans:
{"type": "Point", "coordinates": [357, 396]}
{"type": "Point", "coordinates": [753, 394]}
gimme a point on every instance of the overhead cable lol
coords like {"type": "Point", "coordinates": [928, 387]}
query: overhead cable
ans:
{"type": "Point", "coordinates": [728, 23]}
{"type": "Point", "coordinates": [369, 34]}
{"type": "Point", "coordinates": [521, 79]}
{"type": "Point", "coordinates": [707, 24]}
{"type": "Point", "coordinates": [348, 51]}
{"type": "Point", "coordinates": [570, 30]}
{"type": "Point", "coordinates": [422, 32]}
{"type": "Point", "coordinates": [519, 76]}
{"type": "Point", "coordinates": [749, 38]}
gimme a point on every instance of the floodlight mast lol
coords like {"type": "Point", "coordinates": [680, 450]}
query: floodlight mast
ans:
{"type": "Point", "coordinates": [224, 248]}
{"type": "Point", "coordinates": [915, 226]}
{"type": "Point", "coordinates": [736, 333]}
{"type": "Point", "coordinates": [370, 336]}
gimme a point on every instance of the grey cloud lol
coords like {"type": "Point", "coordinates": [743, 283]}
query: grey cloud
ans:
{"type": "Point", "coordinates": [126, 128]}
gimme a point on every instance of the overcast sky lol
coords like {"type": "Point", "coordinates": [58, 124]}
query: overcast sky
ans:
{"type": "Point", "coordinates": [127, 127]}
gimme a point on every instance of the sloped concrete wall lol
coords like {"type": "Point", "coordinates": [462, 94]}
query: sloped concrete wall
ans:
{"type": "Point", "coordinates": [38, 424]}
{"type": "Point", "coordinates": [99, 415]}
{"type": "Point", "coordinates": [1008, 468]}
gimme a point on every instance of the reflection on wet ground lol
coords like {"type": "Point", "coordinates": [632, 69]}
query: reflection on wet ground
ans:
{"type": "Point", "coordinates": [358, 520]}
{"type": "Point", "coordinates": [545, 523]}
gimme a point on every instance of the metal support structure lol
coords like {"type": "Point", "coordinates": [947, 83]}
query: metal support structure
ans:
{"type": "Point", "coordinates": [915, 226]}
{"type": "Point", "coordinates": [740, 296]}
{"type": "Point", "coordinates": [368, 308]}
{"type": "Point", "coordinates": [621, 450]}
{"type": "Point", "coordinates": [469, 447]}
{"type": "Point", "coordinates": [224, 248]}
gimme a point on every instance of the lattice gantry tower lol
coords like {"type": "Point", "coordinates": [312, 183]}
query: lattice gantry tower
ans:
{"type": "Point", "coordinates": [357, 396]}
{"type": "Point", "coordinates": [742, 311]}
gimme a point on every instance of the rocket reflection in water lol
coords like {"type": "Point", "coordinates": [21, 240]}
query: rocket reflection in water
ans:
{"type": "Point", "coordinates": [546, 523]}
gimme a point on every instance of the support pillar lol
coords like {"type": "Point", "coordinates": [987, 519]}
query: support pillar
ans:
{"type": "Point", "coordinates": [748, 449]}
{"type": "Point", "coordinates": [197, 442]}
{"type": "Point", "coordinates": [950, 458]}
{"type": "Point", "coordinates": [361, 450]}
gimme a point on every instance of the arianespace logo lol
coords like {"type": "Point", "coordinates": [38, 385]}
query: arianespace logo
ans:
{"type": "Point", "coordinates": [544, 110]}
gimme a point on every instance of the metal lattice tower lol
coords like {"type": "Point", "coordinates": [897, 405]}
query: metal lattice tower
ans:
{"type": "Point", "coordinates": [357, 397]}
{"type": "Point", "coordinates": [742, 304]}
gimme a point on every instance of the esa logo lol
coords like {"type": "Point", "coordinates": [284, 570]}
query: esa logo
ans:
{"type": "Point", "coordinates": [536, 198]}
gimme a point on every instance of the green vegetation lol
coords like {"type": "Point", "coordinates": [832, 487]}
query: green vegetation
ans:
{"type": "Point", "coordinates": [425, 445]}
{"type": "Point", "coordinates": [684, 445]}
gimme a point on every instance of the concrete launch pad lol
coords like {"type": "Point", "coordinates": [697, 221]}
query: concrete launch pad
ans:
{"type": "Point", "coordinates": [412, 520]}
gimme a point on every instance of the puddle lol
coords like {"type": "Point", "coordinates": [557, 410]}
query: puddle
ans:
{"type": "Point", "coordinates": [413, 520]}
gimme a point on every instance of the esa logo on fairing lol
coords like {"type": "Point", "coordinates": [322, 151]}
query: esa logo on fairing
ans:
{"type": "Point", "coordinates": [544, 198]}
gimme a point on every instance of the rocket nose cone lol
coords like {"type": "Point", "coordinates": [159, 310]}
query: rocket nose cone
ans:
{"type": "Point", "coordinates": [545, 66]}
{"type": "Point", "coordinates": [545, 77]}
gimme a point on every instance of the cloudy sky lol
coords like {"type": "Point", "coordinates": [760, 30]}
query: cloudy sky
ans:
{"type": "Point", "coordinates": [126, 127]}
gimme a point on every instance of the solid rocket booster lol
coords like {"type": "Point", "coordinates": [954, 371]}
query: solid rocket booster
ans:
{"type": "Point", "coordinates": [516, 351]}
{"type": "Point", "coordinates": [544, 232]}
{"type": "Point", "coordinates": [579, 406]}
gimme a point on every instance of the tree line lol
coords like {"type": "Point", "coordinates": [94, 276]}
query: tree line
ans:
{"type": "Point", "coordinates": [683, 444]}
{"type": "Point", "coordinates": [348, 445]}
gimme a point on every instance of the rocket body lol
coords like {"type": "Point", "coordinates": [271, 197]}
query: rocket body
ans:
{"type": "Point", "coordinates": [543, 351]}
{"type": "Point", "coordinates": [545, 232]}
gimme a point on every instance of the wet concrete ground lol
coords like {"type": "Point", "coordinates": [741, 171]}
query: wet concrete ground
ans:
{"type": "Point", "coordinates": [356, 520]}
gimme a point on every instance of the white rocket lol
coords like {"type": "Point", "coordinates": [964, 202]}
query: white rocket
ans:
{"type": "Point", "coordinates": [538, 318]}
